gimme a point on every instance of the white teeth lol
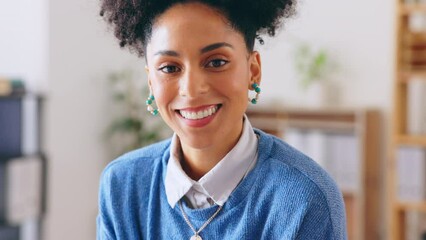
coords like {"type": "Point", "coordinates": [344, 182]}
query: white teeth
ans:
{"type": "Point", "coordinates": [200, 114]}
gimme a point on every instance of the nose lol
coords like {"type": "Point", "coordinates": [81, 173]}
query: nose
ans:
{"type": "Point", "coordinates": [193, 83]}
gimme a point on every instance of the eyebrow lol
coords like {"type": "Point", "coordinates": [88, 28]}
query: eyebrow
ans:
{"type": "Point", "coordinates": [214, 46]}
{"type": "Point", "coordinates": [205, 49]}
{"type": "Point", "coordinates": [168, 53]}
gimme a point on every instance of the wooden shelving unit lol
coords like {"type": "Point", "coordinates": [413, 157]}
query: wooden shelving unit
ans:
{"type": "Point", "coordinates": [421, 207]}
{"type": "Point", "coordinates": [362, 205]}
{"type": "Point", "coordinates": [32, 229]}
{"type": "Point", "coordinates": [407, 9]}
{"type": "Point", "coordinates": [408, 140]}
{"type": "Point", "coordinates": [409, 62]}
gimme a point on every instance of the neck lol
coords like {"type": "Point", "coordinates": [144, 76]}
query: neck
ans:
{"type": "Point", "coordinates": [197, 162]}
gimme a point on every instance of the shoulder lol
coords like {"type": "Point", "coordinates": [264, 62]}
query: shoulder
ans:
{"type": "Point", "coordinates": [127, 181]}
{"type": "Point", "coordinates": [140, 161]}
{"type": "Point", "coordinates": [293, 173]}
{"type": "Point", "coordinates": [285, 158]}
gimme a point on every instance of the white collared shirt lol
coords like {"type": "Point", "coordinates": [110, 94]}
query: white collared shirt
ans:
{"type": "Point", "coordinates": [215, 186]}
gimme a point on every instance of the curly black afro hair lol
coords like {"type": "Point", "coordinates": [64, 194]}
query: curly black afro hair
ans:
{"type": "Point", "coordinates": [132, 20]}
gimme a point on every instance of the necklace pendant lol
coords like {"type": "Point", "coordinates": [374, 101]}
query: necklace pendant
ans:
{"type": "Point", "coordinates": [196, 237]}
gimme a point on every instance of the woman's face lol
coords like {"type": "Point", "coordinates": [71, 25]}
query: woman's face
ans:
{"type": "Point", "coordinates": [200, 72]}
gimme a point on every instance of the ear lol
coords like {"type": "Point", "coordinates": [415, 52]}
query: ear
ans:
{"type": "Point", "coordinates": [255, 68]}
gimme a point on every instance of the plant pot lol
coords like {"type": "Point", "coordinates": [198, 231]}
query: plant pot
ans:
{"type": "Point", "coordinates": [318, 94]}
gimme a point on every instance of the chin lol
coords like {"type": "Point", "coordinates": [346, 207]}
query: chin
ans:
{"type": "Point", "coordinates": [197, 141]}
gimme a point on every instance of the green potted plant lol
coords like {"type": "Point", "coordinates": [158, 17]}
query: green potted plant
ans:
{"type": "Point", "coordinates": [313, 68]}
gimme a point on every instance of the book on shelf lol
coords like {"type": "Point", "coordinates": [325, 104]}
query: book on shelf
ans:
{"type": "Point", "coordinates": [3, 190]}
{"type": "Point", "coordinates": [416, 57]}
{"type": "Point", "coordinates": [8, 232]}
{"type": "Point", "coordinates": [416, 106]}
{"type": "Point", "coordinates": [338, 154]}
{"type": "Point", "coordinates": [310, 143]}
{"type": "Point", "coordinates": [411, 170]}
{"type": "Point", "coordinates": [21, 189]}
{"type": "Point", "coordinates": [19, 126]}
{"type": "Point", "coordinates": [344, 153]}
{"type": "Point", "coordinates": [415, 226]}
{"type": "Point", "coordinates": [417, 22]}
{"type": "Point", "coordinates": [11, 87]}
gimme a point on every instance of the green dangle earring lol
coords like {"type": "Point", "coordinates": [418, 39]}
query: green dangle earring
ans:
{"type": "Point", "coordinates": [150, 108]}
{"type": "Point", "coordinates": [256, 88]}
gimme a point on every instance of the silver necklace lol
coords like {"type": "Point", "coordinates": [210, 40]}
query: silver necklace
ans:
{"type": "Point", "coordinates": [196, 235]}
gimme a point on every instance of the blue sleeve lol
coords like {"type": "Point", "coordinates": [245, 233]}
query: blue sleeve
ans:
{"type": "Point", "coordinates": [102, 232]}
{"type": "Point", "coordinates": [104, 220]}
{"type": "Point", "coordinates": [321, 222]}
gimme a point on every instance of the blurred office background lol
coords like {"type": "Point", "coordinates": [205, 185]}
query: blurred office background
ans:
{"type": "Point", "coordinates": [63, 52]}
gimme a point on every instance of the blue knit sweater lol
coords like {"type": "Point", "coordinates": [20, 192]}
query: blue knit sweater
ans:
{"type": "Point", "coordinates": [285, 196]}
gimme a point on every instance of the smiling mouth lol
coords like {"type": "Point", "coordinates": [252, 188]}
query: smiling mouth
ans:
{"type": "Point", "coordinates": [200, 114]}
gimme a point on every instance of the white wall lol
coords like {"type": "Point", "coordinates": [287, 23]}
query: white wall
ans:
{"type": "Point", "coordinates": [24, 42]}
{"type": "Point", "coordinates": [359, 36]}
{"type": "Point", "coordinates": [82, 52]}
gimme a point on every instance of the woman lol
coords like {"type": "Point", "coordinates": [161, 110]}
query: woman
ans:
{"type": "Point", "coordinates": [217, 178]}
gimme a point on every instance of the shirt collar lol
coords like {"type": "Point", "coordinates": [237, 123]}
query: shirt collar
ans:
{"type": "Point", "coordinates": [222, 179]}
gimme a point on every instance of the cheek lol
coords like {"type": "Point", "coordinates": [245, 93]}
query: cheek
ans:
{"type": "Point", "coordinates": [162, 91]}
{"type": "Point", "coordinates": [236, 90]}
{"type": "Point", "coordinates": [238, 83]}
{"type": "Point", "coordinates": [163, 96]}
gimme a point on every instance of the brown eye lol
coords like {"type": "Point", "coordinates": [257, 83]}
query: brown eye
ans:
{"type": "Point", "coordinates": [216, 63]}
{"type": "Point", "coordinates": [169, 69]}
